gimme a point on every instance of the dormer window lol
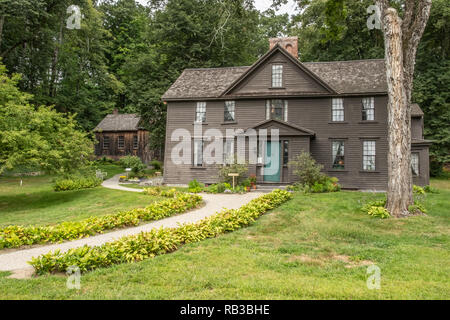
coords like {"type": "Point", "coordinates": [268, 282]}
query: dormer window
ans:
{"type": "Point", "coordinates": [277, 76]}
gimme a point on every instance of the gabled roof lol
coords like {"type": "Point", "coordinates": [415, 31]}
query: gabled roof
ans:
{"type": "Point", "coordinates": [345, 77]}
{"type": "Point", "coordinates": [292, 128]}
{"type": "Point", "coordinates": [264, 58]}
{"type": "Point", "coordinates": [416, 111]}
{"type": "Point", "coordinates": [119, 122]}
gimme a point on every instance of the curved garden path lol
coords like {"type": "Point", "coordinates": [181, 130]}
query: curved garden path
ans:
{"type": "Point", "coordinates": [16, 261]}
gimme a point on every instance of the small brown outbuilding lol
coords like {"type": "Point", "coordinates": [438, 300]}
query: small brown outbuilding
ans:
{"type": "Point", "coordinates": [120, 135]}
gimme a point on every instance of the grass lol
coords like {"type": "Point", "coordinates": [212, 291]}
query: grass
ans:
{"type": "Point", "coordinates": [35, 203]}
{"type": "Point", "coordinates": [313, 247]}
{"type": "Point", "coordinates": [137, 186]}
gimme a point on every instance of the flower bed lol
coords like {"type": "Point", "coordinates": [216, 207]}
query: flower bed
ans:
{"type": "Point", "coordinates": [16, 236]}
{"type": "Point", "coordinates": [158, 241]}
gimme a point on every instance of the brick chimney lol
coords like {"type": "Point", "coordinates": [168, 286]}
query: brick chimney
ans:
{"type": "Point", "coordinates": [288, 43]}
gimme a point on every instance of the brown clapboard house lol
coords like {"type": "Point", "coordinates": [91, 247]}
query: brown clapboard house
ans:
{"type": "Point", "coordinates": [337, 111]}
{"type": "Point", "coordinates": [120, 135]}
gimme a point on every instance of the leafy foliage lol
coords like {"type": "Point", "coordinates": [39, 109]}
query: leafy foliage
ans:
{"type": "Point", "coordinates": [17, 236]}
{"type": "Point", "coordinates": [132, 162]}
{"type": "Point", "coordinates": [38, 136]}
{"type": "Point", "coordinates": [76, 183]}
{"type": "Point", "coordinates": [158, 241]}
{"type": "Point", "coordinates": [195, 187]}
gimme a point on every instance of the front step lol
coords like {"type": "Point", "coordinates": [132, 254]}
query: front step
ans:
{"type": "Point", "coordinates": [269, 187]}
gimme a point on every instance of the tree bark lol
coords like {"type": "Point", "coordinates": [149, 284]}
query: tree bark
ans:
{"type": "Point", "coordinates": [399, 196]}
{"type": "Point", "coordinates": [401, 39]}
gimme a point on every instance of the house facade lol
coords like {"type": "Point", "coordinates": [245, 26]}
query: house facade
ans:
{"type": "Point", "coordinates": [120, 135]}
{"type": "Point", "coordinates": [337, 111]}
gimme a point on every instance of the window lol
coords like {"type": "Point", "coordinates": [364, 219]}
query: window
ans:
{"type": "Point", "coordinates": [121, 142]}
{"type": "Point", "coordinates": [105, 142]}
{"type": "Point", "coordinates": [277, 76]}
{"type": "Point", "coordinates": [200, 112]}
{"type": "Point", "coordinates": [277, 109]}
{"type": "Point", "coordinates": [198, 153]}
{"type": "Point", "coordinates": [338, 155]}
{"type": "Point", "coordinates": [228, 151]}
{"type": "Point", "coordinates": [135, 142]}
{"type": "Point", "coordinates": [337, 109]}
{"type": "Point", "coordinates": [369, 155]}
{"type": "Point", "coordinates": [368, 109]}
{"type": "Point", "coordinates": [285, 152]}
{"type": "Point", "coordinates": [228, 111]}
{"type": "Point", "coordinates": [415, 163]}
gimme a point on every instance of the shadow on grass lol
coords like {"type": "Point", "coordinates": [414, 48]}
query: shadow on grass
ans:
{"type": "Point", "coordinates": [39, 199]}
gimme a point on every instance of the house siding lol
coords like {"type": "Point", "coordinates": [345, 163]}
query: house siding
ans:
{"type": "Point", "coordinates": [114, 152]}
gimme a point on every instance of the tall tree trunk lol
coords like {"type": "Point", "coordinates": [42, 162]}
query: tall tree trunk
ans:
{"type": "Point", "coordinates": [399, 128]}
{"type": "Point", "coordinates": [401, 39]}
{"type": "Point", "coordinates": [54, 71]}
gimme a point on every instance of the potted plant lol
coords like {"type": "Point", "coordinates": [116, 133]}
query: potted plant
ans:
{"type": "Point", "coordinates": [252, 179]}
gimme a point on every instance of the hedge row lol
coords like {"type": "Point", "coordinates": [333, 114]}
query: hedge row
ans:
{"type": "Point", "coordinates": [16, 236]}
{"type": "Point", "coordinates": [159, 241]}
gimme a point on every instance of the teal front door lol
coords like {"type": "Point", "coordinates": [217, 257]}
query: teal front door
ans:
{"type": "Point", "coordinates": [272, 172]}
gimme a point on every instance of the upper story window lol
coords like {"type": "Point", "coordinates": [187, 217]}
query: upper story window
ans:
{"type": "Point", "coordinates": [338, 155]}
{"type": "Point", "coordinates": [369, 154]}
{"type": "Point", "coordinates": [415, 163]}
{"type": "Point", "coordinates": [337, 109]}
{"type": "Point", "coordinates": [105, 142]}
{"type": "Point", "coordinates": [121, 142]}
{"type": "Point", "coordinates": [368, 109]}
{"type": "Point", "coordinates": [277, 109]}
{"type": "Point", "coordinates": [228, 113]}
{"type": "Point", "coordinates": [277, 76]}
{"type": "Point", "coordinates": [135, 142]}
{"type": "Point", "coordinates": [200, 112]}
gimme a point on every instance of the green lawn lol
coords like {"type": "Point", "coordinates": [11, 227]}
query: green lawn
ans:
{"type": "Point", "coordinates": [312, 247]}
{"type": "Point", "coordinates": [35, 203]}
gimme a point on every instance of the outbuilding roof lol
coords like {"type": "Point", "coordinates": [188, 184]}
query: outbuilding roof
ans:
{"type": "Point", "coordinates": [119, 122]}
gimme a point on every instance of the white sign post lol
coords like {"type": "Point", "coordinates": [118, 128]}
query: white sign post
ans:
{"type": "Point", "coordinates": [234, 175]}
{"type": "Point", "coordinates": [128, 170]}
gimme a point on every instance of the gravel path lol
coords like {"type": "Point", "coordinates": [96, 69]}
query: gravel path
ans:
{"type": "Point", "coordinates": [16, 261]}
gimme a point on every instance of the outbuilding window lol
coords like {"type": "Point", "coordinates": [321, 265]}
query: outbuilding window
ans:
{"type": "Point", "coordinates": [121, 142]}
{"type": "Point", "coordinates": [106, 142]}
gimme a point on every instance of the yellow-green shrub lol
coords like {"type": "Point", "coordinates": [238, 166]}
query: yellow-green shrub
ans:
{"type": "Point", "coordinates": [16, 236]}
{"type": "Point", "coordinates": [158, 241]}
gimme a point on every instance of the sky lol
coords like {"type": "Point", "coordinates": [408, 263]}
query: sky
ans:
{"type": "Point", "coordinates": [262, 5]}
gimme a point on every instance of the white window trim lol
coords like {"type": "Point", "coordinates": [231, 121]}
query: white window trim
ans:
{"type": "Point", "coordinates": [337, 104]}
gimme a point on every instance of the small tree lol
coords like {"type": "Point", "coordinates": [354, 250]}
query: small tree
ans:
{"type": "Point", "coordinates": [38, 136]}
{"type": "Point", "coordinates": [132, 162]}
{"type": "Point", "coordinates": [306, 169]}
